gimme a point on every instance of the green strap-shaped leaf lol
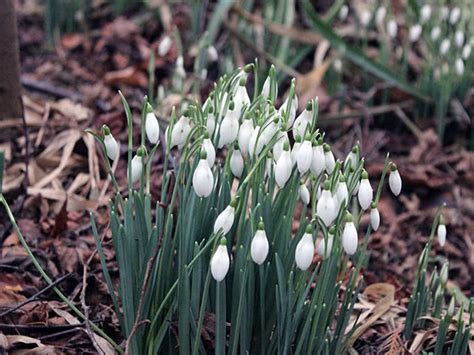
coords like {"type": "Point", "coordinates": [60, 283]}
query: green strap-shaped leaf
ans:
{"type": "Point", "coordinates": [2, 163]}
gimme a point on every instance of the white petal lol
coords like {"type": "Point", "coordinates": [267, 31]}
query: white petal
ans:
{"type": "Point", "coordinates": [210, 151]}
{"type": "Point", "coordinates": [111, 147]}
{"type": "Point", "coordinates": [318, 163]}
{"type": "Point", "coordinates": [283, 169]}
{"type": "Point", "coordinates": [203, 180]}
{"type": "Point", "coordinates": [374, 218]}
{"type": "Point", "coordinates": [259, 247]}
{"type": "Point", "coordinates": [349, 238]}
{"type": "Point", "coordinates": [211, 123]}
{"type": "Point", "coordinates": [229, 130]}
{"type": "Point", "coordinates": [395, 182]}
{"type": "Point", "coordinates": [245, 133]}
{"type": "Point", "coordinates": [322, 250]}
{"type": "Point", "coordinates": [366, 194]}
{"type": "Point", "coordinates": [441, 234]}
{"type": "Point", "coordinates": [137, 168]}
{"type": "Point", "coordinates": [225, 220]}
{"type": "Point", "coordinates": [236, 163]}
{"type": "Point", "coordinates": [152, 128]}
{"type": "Point", "coordinates": [301, 122]}
{"type": "Point", "coordinates": [326, 208]}
{"type": "Point", "coordinates": [220, 263]}
{"type": "Point", "coordinates": [330, 162]}
{"type": "Point", "coordinates": [304, 157]}
{"type": "Point", "coordinates": [304, 252]}
{"type": "Point", "coordinates": [304, 194]}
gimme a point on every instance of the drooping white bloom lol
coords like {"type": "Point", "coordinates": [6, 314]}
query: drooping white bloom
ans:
{"type": "Point", "coordinates": [374, 216]}
{"type": "Point", "coordinates": [366, 193]}
{"type": "Point", "coordinates": [304, 193]}
{"type": "Point", "coordinates": [111, 145]}
{"type": "Point", "coordinates": [326, 207]}
{"type": "Point", "coordinates": [394, 180]}
{"type": "Point", "coordinates": [318, 164]}
{"type": "Point", "coordinates": [292, 110]}
{"type": "Point", "coordinates": [444, 13]}
{"type": "Point", "coordinates": [302, 121]}
{"type": "Point", "coordinates": [266, 87]}
{"type": "Point", "coordinates": [294, 151]}
{"type": "Point", "coordinates": [137, 167]}
{"type": "Point", "coordinates": [269, 130]}
{"type": "Point", "coordinates": [180, 131]}
{"type": "Point", "coordinates": [259, 246]}
{"type": "Point", "coordinates": [212, 54]}
{"type": "Point", "coordinates": [220, 262]}
{"type": "Point", "coordinates": [441, 231]}
{"type": "Point", "coordinates": [152, 128]}
{"type": "Point", "coordinates": [304, 252]}
{"type": "Point", "coordinates": [257, 141]}
{"type": "Point", "coordinates": [203, 180]}
{"type": "Point", "coordinates": [329, 160]}
{"type": "Point", "coordinates": [435, 33]}
{"type": "Point", "coordinates": [229, 128]}
{"type": "Point", "coordinates": [342, 193]}
{"type": "Point", "coordinates": [322, 249]}
{"type": "Point", "coordinates": [241, 98]}
{"type": "Point", "coordinates": [459, 66]}
{"type": "Point", "coordinates": [352, 158]}
{"type": "Point", "coordinates": [304, 155]}
{"type": "Point", "coordinates": [283, 167]}
{"type": "Point", "coordinates": [278, 147]}
{"type": "Point", "coordinates": [414, 33]}
{"type": "Point", "coordinates": [210, 151]}
{"type": "Point", "coordinates": [343, 12]}
{"type": "Point", "coordinates": [225, 220]}
{"type": "Point", "coordinates": [269, 163]}
{"type": "Point", "coordinates": [380, 15]}
{"type": "Point", "coordinates": [349, 236]}
{"type": "Point", "coordinates": [455, 15]}
{"type": "Point", "coordinates": [365, 18]}
{"type": "Point", "coordinates": [236, 163]}
{"type": "Point", "coordinates": [210, 123]}
{"type": "Point", "coordinates": [466, 51]}
{"type": "Point", "coordinates": [179, 68]}
{"type": "Point", "coordinates": [392, 28]}
{"type": "Point", "coordinates": [164, 46]}
{"type": "Point", "coordinates": [459, 38]}
{"type": "Point", "coordinates": [245, 133]}
{"type": "Point", "coordinates": [425, 13]}
{"type": "Point", "coordinates": [444, 46]}
{"type": "Point", "coordinates": [337, 64]}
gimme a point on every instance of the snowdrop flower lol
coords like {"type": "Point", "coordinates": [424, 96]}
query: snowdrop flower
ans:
{"type": "Point", "coordinates": [444, 47]}
{"type": "Point", "coordinates": [304, 252]}
{"type": "Point", "coordinates": [394, 180]}
{"type": "Point", "coordinates": [392, 28]}
{"type": "Point", "coordinates": [326, 208]}
{"type": "Point", "coordinates": [241, 97]}
{"type": "Point", "coordinates": [441, 231]}
{"type": "Point", "coordinates": [259, 246]}
{"type": "Point", "coordinates": [304, 155]}
{"type": "Point", "coordinates": [236, 163]}
{"type": "Point", "coordinates": [266, 87]}
{"type": "Point", "coordinates": [180, 131]}
{"type": "Point", "coordinates": [365, 18]}
{"type": "Point", "coordinates": [137, 164]}
{"type": "Point", "coordinates": [435, 33]}
{"type": "Point", "coordinates": [459, 67]}
{"type": "Point", "coordinates": [342, 193]}
{"type": "Point", "coordinates": [466, 51]}
{"type": "Point", "coordinates": [212, 54]}
{"type": "Point", "coordinates": [111, 145]}
{"type": "Point", "coordinates": [292, 110]}
{"type": "Point", "coordinates": [304, 193]}
{"type": "Point", "coordinates": [380, 15]}
{"type": "Point", "coordinates": [414, 33]}
{"type": "Point", "coordinates": [459, 38]}
{"type": "Point", "coordinates": [337, 65]}
{"type": "Point", "coordinates": [211, 121]}
{"type": "Point", "coordinates": [256, 142]}
{"type": "Point", "coordinates": [443, 274]}
{"type": "Point", "coordinates": [220, 261]}
{"type": "Point", "coordinates": [295, 149]}
{"type": "Point", "coordinates": [349, 235]}
{"type": "Point", "coordinates": [329, 160]}
{"type": "Point", "coordinates": [318, 163]}
{"type": "Point", "coordinates": [343, 12]}
{"type": "Point", "coordinates": [164, 46]}
{"type": "Point", "coordinates": [229, 128]}
{"type": "Point", "coordinates": [283, 167]}
{"type": "Point", "coordinates": [374, 216]}
{"type": "Point", "coordinates": [444, 12]}
{"type": "Point", "coordinates": [268, 164]}
{"type": "Point", "coordinates": [366, 193]}
{"type": "Point", "coordinates": [245, 133]}
{"type": "Point", "coordinates": [425, 13]}
{"type": "Point", "coordinates": [225, 220]}
{"type": "Point", "coordinates": [152, 128]}
{"type": "Point", "coordinates": [322, 249]}
{"type": "Point", "coordinates": [278, 147]}
{"type": "Point", "coordinates": [203, 180]}
{"type": "Point", "coordinates": [269, 130]}
{"type": "Point", "coordinates": [455, 15]}
{"type": "Point", "coordinates": [210, 150]}
{"type": "Point", "coordinates": [179, 69]}
{"type": "Point", "coordinates": [303, 120]}
{"type": "Point", "coordinates": [352, 158]}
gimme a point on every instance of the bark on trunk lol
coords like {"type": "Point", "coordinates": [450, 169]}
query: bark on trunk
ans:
{"type": "Point", "coordinates": [10, 87]}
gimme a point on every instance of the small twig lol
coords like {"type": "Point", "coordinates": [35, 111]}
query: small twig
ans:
{"type": "Point", "coordinates": [32, 298]}
{"type": "Point", "coordinates": [408, 123]}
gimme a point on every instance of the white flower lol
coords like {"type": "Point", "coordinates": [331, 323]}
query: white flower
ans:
{"type": "Point", "coordinates": [303, 120]}
{"type": "Point", "coordinates": [203, 180]}
{"type": "Point", "coordinates": [349, 236]}
{"type": "Point", "coordinates": [343, 12]}
{"type": "Point", "coordinates": [111, 145]}
{"type": "Point", "coordinates": [444, 46]}
{"type": "Point", "coordinates": [164, 46]}
{"type": "Point", "coordinates": [210, 123]}
{"type": "Point", "coordinates": [366, 193]}
{"type": "Point", "coordinates": [394, 180]}
{"type": "Point", "coordinates": [179, 69]}
{"type": "Point", "coordinates": [225, 220]}
{"type": "Point", "coordinates": [337, 65]}
{"type": "Point", "coordinates": [236, 163]}
{"type": "Point", "coordinates": [257, 142]}
{"type": "Point", "coordinates": [392, 28]}
{"type": "Point", "coordinates": [220, 262]}
{"type": "Point", "coordinates": [245, 134]}
{"type": "Point", "coordinates": [292, 113]}
{"type": "Point", "coordinates": [352, 158]}
{"type": "Point", "coordinates": [459, 67]}
{"type": "Point", "coordinates": [180, 132]}
{"type": "Point", "coordinates": [374, 216]}
{"type": "Point", "coordinates": [322, 249]}
{"type": "Point", "coordinates": [137, 167]}
{"type": "Point", "coordinates": [455, 15]}
{"type": "Point", "coordinates": [329, 160]}
{"type": "Point", "coordinates": [326, 207]}
{"type": "Point", "coordinates": [241, 98]}
{"type": "Point", "coordinates": [459, 38]}
{"type": "Point", "coordinates": [152, 128]}
{"type": "Point", "coordinates": [380, 15]}
{"type": "Point", "coordinates": [342, 194]}
{"type": "Point", "coordinates": [466, 51]}
{"type": "Point", "coordinates": [365, 18]}
{"type": "Point", "coordinates": [278, 147]}
{"type": "Point", "coordinates": [266, 87]}
{"type": "Point", "coordinates": [425, 13]}
{"type": "Point", "coordinates": [304, 252]}
{"type": "Point", "coordinates": [441, 231]}
{"type": "Point", "coordinates": [212, 54]}
{"type": "Point", "coordinates": [318, 163]}
{"type": "Point", "coordinates": [259, 247]}
{"type": "Point", "coordinates": [304, 193]}
{"type": "Point", "coordinates": [283, 167]}
{"type": "Point", "coordinates": [414, 33]}
{"type": "Point", "coordinates": [304, 155]}
{"type": "Point", "coordinates": [295, 149]}
{"type": "Point", "coordinates": [435, 33]}
{"type": "Point", "coordinates": [444, 12]}
{"type": "Point", "coordinates": [229, 128]}
{"type": "Point", "coordinates": [268, 164]}
{"type": "Point", "coordinates": [210, 151]}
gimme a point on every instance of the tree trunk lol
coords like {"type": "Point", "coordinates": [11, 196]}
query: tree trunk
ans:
{"type": "Point", "coordinates": [10, 87]}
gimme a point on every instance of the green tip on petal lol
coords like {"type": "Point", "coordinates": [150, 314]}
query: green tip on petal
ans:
{"type": "Point", "coordinates": [203, 154]}
{"type": "Point", "coordinates": [393, 166]}
{"type": "Point", "coordinates": [326, 185]}
{"type": "Point", "coordinates": [231, 105]}
{"type": "Point", "coordinates": [233, 203]}
{"type": "Point", "coordinates": [149, 108]}
{"type": "Point", "coordinates": [326, 147]}
{"type": "Point", "coordinates": [223, 241]}
{"type": "Point", "coordinates": [309, 106]}
{"type": "Point", "coordinates": [320, 140]}
{"type": "Point", "coordinates": [373, 205]}
{"type": "Point", "coordinates": [348, 217]}
{"type": "Point", "coordinates": [141, 151]}
{"type": "Point", "coordinates": [105, 130]}
{"type": "Point", "coordinates": [307, 136]}
{"type": "Point", "coordinates": [248, 68]}
{"type": "Point", "coordinates": [441, 219]}
{"type": "Point", "coordinates": [261, 225]}
{"type": "Point", "coordinates": [286, 146]}
{"type": "Point", "coordinates": [211, 109]}
{"type": "Point", "coordinates": [364, 175]}
{"type": "Point", "coordinates": [355, 149]}
{"type": "Point", "coordinates": [247, 116]}
{"type": "Point", "coordinates": [206, 135]}
{"type": "Point", "coordinates": [242, 81]}
{"type": "Point", "coordinates": [342, 178]}
{"type": "Point", "coordinates": [332, 230]}
{"type": "Point", "coordinates": [309, 229]}
{"type": "Point", "coordinates": [298, 138]}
